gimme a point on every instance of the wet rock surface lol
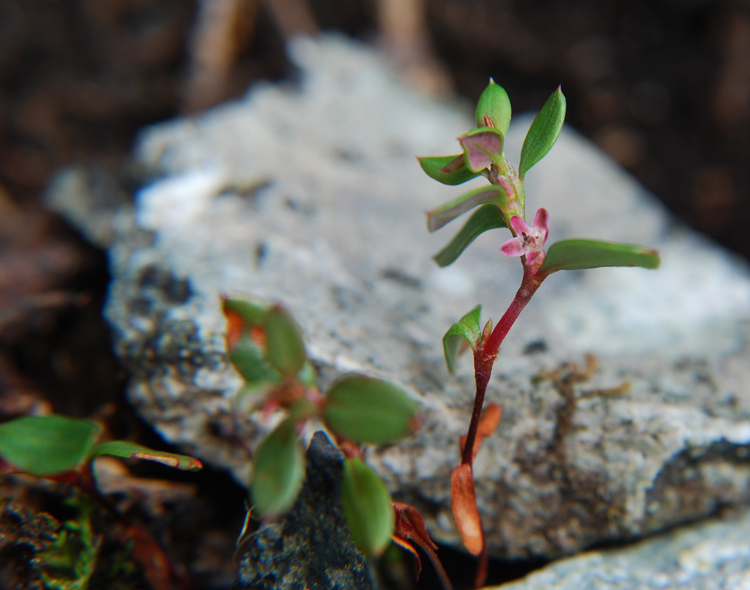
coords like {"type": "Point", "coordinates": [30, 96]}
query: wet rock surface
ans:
{"type": "Point", "coordinates": [310, 195]}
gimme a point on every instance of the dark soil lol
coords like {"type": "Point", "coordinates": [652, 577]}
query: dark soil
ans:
{"type": "Point", "coordinates": [662, 85]}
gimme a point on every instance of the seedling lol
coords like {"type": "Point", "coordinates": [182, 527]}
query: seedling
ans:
{"type": "Point", "coordinates": [502, 204]}
{"type": "Point", "coordinates": [63, 449]}
{"type": "Point", "coordinates": [267, 349]}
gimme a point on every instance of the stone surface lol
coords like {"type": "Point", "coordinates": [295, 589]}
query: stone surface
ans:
{"type": "Point", "coordinates": [310, 194]}
{"type": "Point", "coordinates": [707, 556]}
{"type": "Point", "coordinates": [310, 547]}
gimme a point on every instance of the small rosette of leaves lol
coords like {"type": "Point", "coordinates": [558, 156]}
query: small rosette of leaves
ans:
{"type": "Point", "coordinates": [264, 343]}
{"type": "Point", "coordinates": [48, 446]}
{"type": "Point", "coordinates": [465, 331]}
{"type": "Point", "coordinates": [368, 410]}
{"type": "Point", "coordinates": [368, 507]}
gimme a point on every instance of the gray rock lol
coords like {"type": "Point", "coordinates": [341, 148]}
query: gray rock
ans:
{"type": "Point", "coordinates": [310, 546]}
{"type": "Point", "coordinates": [707, 556]}
{"type": "Point", "coordinates": [311, 195]}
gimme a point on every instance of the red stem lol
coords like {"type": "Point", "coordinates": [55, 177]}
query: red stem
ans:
{"type": "Point", "coordinates": [486, 354]}
{"type": "Point", "coordinates": [484, 357]}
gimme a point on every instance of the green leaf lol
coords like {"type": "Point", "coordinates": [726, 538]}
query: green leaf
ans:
{"type": "Point", "coordinates": [432, 165]}
{"type": "Point", "coordinates": [47, 445]}
{"type": "Point", "coordinates": [129, 450]}
{"type": "Point", "coordinates": [368, 410]}
{"type": "Point", "coordinates": [307, 375]}
{"type": "Point", "coordinates": [482, 147]}
{"type": "Point", "coordinates": [583, 254]}
{"type": "Point", "coordinates": [494, 103]}
{"type": "Point", "coordinates": [543, 132]}
{"type": "Point", "coordinates": [285, 349]}
{"type": "Point", "coordinates": [467, 328]}
{"type": "Point", "coordinates": [485, 218]}
{"type": "Point", "coordinates": [437, 218]}
{"type": "Point", "coordinates": [279, 469]}
{"type": "Point", "coordinates": [368, 507]}
{"type": "Point", "coordinates": [249, 361]}
{"type": "Point", "coordinates": [250, 309]}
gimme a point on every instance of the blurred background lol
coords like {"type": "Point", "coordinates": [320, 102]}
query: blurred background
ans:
{"type": "Point", "coordinates": [663, 86]}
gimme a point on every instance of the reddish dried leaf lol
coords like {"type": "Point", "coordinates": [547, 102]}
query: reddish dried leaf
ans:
{"type": "Point", "coordinates": [465, 510]}
{"type": "Point", "coordinates": [490, 419]}
{"type": "Point", "coordinates": [234, 328]}
{"type": "Point", "coordinates": [410, 525]}
{"type": "Point", "coordinates": [487, 424]}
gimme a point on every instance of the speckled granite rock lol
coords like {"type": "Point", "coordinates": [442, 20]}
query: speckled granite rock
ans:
{"type": "Point", "coordinates": [310, 194]}
{"type": "Point", "coordinates": [710, 556]}
{"type": "Point", "coordinates": [310, 547]}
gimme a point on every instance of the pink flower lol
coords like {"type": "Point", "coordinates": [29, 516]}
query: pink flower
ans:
{"type": "Point", "coordinates": [529, 240]}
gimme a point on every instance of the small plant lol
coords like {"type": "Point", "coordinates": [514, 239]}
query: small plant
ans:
{"type": "Point", "coordinates": [63, 449]}
{"type": "Point", "coordinates": [502, 204]}
{"type": "Point", "coordinates": [266, 347]}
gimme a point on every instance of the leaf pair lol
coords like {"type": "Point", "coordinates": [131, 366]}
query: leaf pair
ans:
{"type": "Point", "coordinates": [279, 473]}
{"type": "Point", "coordinates": [46, 446]}
{"type": "Point", "coordinates": [356, 408]}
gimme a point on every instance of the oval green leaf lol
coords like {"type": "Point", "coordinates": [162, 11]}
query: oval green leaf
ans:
{"type": "Point", "coordinates": [368, 507]}
{"type": "Point", "coordinates": [437, 218]}
{"type": "Point", "coordinates": [368, 410]}
{"type": "Point", "coordinates": [278, 471]}
{"type": "Point", "coordinates": [494, 103]}
{"type": "Point", "coordinates": [285, 349]}
{"type": "Point", "coordinates": [485, 218]}
{"type": "Point", "coordinates": [482, 147]}
{"type": "Point", "coordinates": [467, 328]}
{"type": "Point", "coordinates": [250, 309]}
{"type": "Point", "coordinates": [129, 450]}
{"type": "Point", "coordinates": [543, 132]}
{"type": "Point", "coordinates": [432, 165]}
{"type": "Point", "coordinates": [583, 254]}
{"type": "Point", "coordinates": [47, 445]}
{"type": "Point", "coordinates": [249, 361]}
